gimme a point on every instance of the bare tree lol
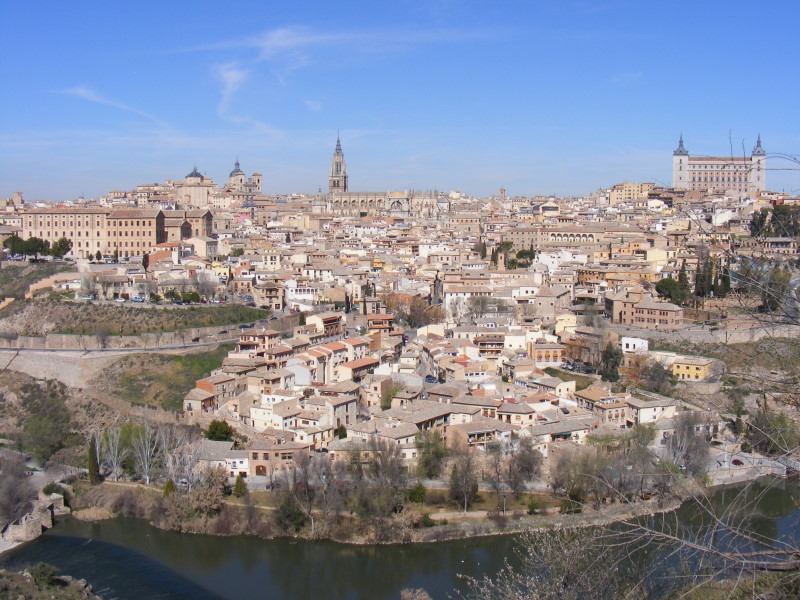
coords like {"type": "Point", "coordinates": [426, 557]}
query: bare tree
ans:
{"type": "Point", "coordinates": [113, 451]}
{"type": "Point", "coordinates": [302, 485]}
{"type": "Point", "coordinates": [495, 463]}
{"type": "Point", "coordinates": [565, 564]}
{"type": "Point", "coordinates": [206, 284]}
{"type": "Point", "coordinates": [523, 463]}
{"type": "Point", "coordinates": [464, 477]}
{"type": "Point", "coordinates": [16, 491]}
{"type": "Point", "coordinates": [145, 450]}
{"type": "Point", "coordinates": [687, 447]}
{"type": "Point", "coordinates": [477, 307]}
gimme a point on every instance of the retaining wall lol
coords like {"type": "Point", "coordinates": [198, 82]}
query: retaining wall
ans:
{"type": "Point", "coordinates": [171, 339]}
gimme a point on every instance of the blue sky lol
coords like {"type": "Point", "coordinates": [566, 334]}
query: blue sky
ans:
{"type": "Point", "coordinates": [539, 97]}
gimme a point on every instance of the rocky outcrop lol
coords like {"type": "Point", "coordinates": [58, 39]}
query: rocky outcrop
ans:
{"type": "Point", "coordinates": [57, 587]}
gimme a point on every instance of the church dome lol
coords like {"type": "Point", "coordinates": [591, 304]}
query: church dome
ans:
{"type": "Point", "coordinates": [195, 173]}
{"type": "Point", "coordinates": [236, 170]}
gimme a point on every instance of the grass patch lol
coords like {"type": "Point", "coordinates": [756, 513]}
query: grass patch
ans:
{"type": "Point", "coordinates": [161, 379]}
{"type": "Point", "coordinates": [87, 318]}
{"type": "Point", "coordinates": [581, 381]}
{"type": "Point", "coordinates": [130, 320]}
{"type": "Point", "coordinates": [15, 279]}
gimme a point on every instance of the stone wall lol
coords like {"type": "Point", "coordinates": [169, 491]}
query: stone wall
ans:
{"type": "Point", "coordinates": [183, 338]}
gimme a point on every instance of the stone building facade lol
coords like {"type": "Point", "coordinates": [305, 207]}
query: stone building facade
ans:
{"type": "Point", "coordinates": [739, 175]}
{"type": "Point", "coordinates": [129, 232]}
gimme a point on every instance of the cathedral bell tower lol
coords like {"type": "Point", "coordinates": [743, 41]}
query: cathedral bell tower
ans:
{"type": "Point", "coordinates": [337, 182]}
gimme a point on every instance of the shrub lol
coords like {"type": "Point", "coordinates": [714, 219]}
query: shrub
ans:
{"type": "Point", "coordinates": [570, 507]}
{"type": "Point", "coordinates": [535, 505]}
{"type": "Point", "coordinates": [496, 517]}
{"type": "Point", "coordinates": [417, 494]}
{"type": "Point", "coordinates": [747, 447]}
{"type": "Point", "coordinates": [427, 521]}
{"type": "Point", "coordinates": [42, 574]}
{"type": "Point", "coordinates": [52, 488]}
{"type": "Point", "coordinates": [289, 516]}
{"type": "Point", "coordinates": [169, 488]}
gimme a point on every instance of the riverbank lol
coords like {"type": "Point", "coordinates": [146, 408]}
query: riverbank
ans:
{"type": "Point", "coordinates": [410, 526]}
{"type": "Point", "coordinates": [128, 559]}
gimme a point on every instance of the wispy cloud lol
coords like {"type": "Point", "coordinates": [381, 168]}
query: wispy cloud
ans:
{"type": "Point", "coordinates": [232, 77]}
{"type": "Point", "coordinates": [285, 50]}
{"type": "Point", "coordinates": [88, 94]}
{"type": "Point", "coordinates": [283, 40]}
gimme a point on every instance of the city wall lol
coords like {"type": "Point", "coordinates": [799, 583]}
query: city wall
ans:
{"type": "Point", "coordinates": [710, 335]}
{"type": "Point", "coordinates": [183, 338]}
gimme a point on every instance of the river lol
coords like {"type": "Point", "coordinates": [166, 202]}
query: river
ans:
{"type": "Point", "coordinates": [127, 559]}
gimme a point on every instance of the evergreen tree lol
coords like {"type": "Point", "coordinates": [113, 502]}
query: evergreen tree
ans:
{"type": "Point", "coordinates": [60, 247]}
{"type": "Point", "coordinates": [725, 283]}
{"type": "Point", "coordinates": [239, 487]}
{"type": "Point", "coordinates": [683, 280]}
{"type": "Point", "coordinates": [611, 359]}
{"type": "Point", "coordinates": [219, 431]}
{"type": "Point", "coordinates": [703, 280]}
{"type": "Point", "coordinates": [94, 467]}
{"type": "Point", "coordinates": [775, 289]}
{"type": "Point", "coordinates": [169, 488]}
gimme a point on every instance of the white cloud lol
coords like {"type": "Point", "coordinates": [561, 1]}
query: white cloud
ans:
{"type": "Point", "coordinates": [232, 77]}
{"type": "Point", "coordinates": [86, 93]}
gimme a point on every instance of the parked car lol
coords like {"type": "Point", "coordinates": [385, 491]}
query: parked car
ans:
{"type": "Point", "coordinates": [430, 379]}
{"type": "Point", "coordinates": [119, 299]}
{"type": "Point", "coordinates": [137, 299]}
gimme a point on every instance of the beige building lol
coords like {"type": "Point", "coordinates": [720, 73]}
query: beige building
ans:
{"type": "Point", "coordinates": [129, 232]}
{"type": "Point", "coordinates": [742, 175]}
{"type": "Point", "coordinates": [637, 308]}
{"type": "Point", "coordinates": [629, 191]}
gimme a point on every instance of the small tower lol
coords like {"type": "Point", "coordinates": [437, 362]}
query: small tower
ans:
{"type": "Point", "coordinates": [758, 169]}
{"type": "Point", "coordinates": [337, 182]}
{"type": "Point", "coordinates": [680, 166]}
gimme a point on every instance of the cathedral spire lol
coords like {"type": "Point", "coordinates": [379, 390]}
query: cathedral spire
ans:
{"type": "Point", "coordinates": [337, 182]}
{"type": "Point", "coordinates": [758, 150]}
{"type": "Point", "coordinates": [680, 151]}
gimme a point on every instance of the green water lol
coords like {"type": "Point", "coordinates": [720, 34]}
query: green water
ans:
{"type": "Point", "coordinates": [126, 558]}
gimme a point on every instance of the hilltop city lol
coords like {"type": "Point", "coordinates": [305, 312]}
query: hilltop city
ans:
{"type": "Point", "coordinates": [445, 330]}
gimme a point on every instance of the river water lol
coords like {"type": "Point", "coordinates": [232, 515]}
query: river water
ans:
{"type": "Point", "coordinates": [127, 559]}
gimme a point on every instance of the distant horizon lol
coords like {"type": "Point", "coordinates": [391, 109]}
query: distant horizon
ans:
{"type": "Point", "coordinates": [540, 98]}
